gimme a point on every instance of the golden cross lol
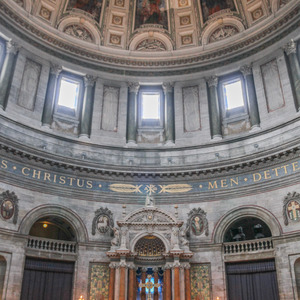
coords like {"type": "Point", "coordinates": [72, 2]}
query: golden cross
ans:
{"type": "Point", "coordinates": [293, 207]}
{"type": "Point", "coordinates": [149, 285]}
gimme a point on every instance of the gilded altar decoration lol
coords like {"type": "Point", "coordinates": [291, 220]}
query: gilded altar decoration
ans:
{"type": "Point", "coordinates": [197, 222]}
{"type": "Point", "coordinates": [200, 282]}
{"type": "Point", "coordinates": [103, 221]}
{"type": "Point", "coordinates": [93, 7]}
{"type": "Point", "coordinates": [291, 207]}
{"type": "Point", "coordinates": [99, 281]}
{"type": "Point", "coordinates": [9, 206]}
{"type": "Point", "coordinates": [151, 12]}
{"type": "Point", "coordinates": [209, 7]}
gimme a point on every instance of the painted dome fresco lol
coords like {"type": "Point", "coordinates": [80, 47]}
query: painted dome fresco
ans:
{"type": "Point", "coordinates": [154, 34]}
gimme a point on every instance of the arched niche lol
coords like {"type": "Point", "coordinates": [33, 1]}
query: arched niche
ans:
{"type": "Point", "coordinates": [81, 23]}
{"type": "Point", "coordinates": [222, 24]}
{"type": "Point", "coordinates": [59, 211]}
{"type": "Point", "coordinates": [244, 212]}
{"type": "Point", "coordinates": [53, 227]}
{"type": "Point", "coordinates": [2, 276]}
{"type": "Point", "coordinates": [149, 36]}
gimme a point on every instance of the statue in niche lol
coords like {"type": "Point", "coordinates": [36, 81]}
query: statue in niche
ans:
{"type": "Point", "coordinates": [151, 12]}
{"type": "Point", "coordinates": [210, 7]}
{"type": "Point", "coordinates": [92, 7]}
{"type": "Point", "coordinates": [149, 201]}
{"type": "Point", "coordinates": [116, 239]}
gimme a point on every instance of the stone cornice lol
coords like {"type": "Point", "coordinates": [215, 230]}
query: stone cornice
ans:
{"type": "Point", "coordinates": [112, 64]}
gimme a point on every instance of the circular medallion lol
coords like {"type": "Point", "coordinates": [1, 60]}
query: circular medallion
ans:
{"type": "Point", "coordinates": [7, 209]}
{"type": "Point", "coordinates": [103, 224]}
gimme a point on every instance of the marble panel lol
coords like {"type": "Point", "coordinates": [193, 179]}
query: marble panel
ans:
{"type": "Point", "coordinates": [191, 108]}
{"type": "Point", "coordinates": [272, 86]}
{"type": "Point", "coordinates": [29, 84]}
{"type": "Point", "coordinates": [110, 108]}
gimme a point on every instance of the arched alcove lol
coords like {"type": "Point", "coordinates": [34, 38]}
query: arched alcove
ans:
{"type": "Point", "coordinates": [60, 212]}
{"type": "Point", "coordinates": [53, 227]}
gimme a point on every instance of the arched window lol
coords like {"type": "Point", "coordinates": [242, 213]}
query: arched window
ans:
{"type": "Point", "coordinates": [2, 276]}
{"type": "Point", "coordinates": [297, 276]}
{"type": "Point", "coordinates": [247, 229]}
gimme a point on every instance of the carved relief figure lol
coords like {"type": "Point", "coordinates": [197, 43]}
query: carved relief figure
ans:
{"type": "Point", "coordinates": [92, 7]}
{"type": "Point", "coordinates": [116, 239]}
{"type": "Point", "coordinates": [103, 224]}
{"type": "Point", "coordinates": [151, 12]}
{"type": "Point", "coordinates": [210, 7]}
{"type": "Point", "coordinates": [197, 225]}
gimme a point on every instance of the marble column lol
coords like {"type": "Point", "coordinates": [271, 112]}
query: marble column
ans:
{"type": "Point", "coordinates": [251, 96]}
{"type": "Point", "coordinates": [87, 106]}
{"type": "Point", "coordinates": [169, 113]}
{"type": "Point", "coordinates": [155, 270]}
{"type": "Point", "coordinates": [187, 281]}
{"type": "Point", "coordinates": [123, 270]}
{"type": "Point", "coordinates": [143, 278]}
{"type": "Point", "coordinates": [291, 51]}
{"type": "Point", "coordinates": [7, 72]}
{"type": "Point", "coordinates": [117, 282]}
{"type": "Point", "coordinates": [112, 272]}
{"type": "Point", "coordinates": [176, 280]}
{"type": "Point", "coordinates": [182, 281]}
{"type": "Point", "coordinates": [50, 95]}
{"type": "Point", "coordinates": [214, 108]}
{"type": "Point", "coordinates": [167, 283]}
{"type": "Point", "coordinates": [132, 283]}
{"type": "Point", "coordinates": [132, 112]}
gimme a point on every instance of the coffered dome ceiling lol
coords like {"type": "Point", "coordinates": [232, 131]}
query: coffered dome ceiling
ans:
{"type": "Point", "coordinates": [167, 34]}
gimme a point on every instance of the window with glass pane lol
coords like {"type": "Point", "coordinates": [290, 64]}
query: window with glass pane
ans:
{"type": "Point", "coordinates": [233, 94]}
{"type": "Point", "coordinates": [151, 106]}
{"type": "Point", "coordinates": [68, 93]}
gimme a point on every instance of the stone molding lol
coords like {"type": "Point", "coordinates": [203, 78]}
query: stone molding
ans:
{"type": "Point", "coordinates": [89, 80]}
{"type": "Point", "coordinates": [133, 87]}
{"type": "Point", "coordinates": [212, 81]}
{"type": "Point", "coordinates": [246, 70]}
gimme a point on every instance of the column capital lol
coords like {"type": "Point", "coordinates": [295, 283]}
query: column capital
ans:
{"type": "Point", "coordinates": [176, 264]}
{"type": "Point", "coordinates": [212, 81]}
{"type": "Point", "coordinates": [113, 265]}
{"type": "Point", "coordinates": [133, 87]}
{"type": "Point", "coordinates": [290, 47]}
{"type": "Point", "coordinates": [144, 269]}
{"type": "Point", "coordinates": [12, 47]}
{"type": "Point", "coordinates": [55, 69]}
{"type": "Point", "coordinates": [168, 87]}
{"type": "Point", "coordinates": [131, 266]}
{"type": "Point", "coordinates": [168, 266]}
{"type": "Point", "coordinates": [155, 269]}
{"type": "Point", "coordinates": [123, 264]}
{"type": "Point", "coordinates": [246, 70]}
{"type": "Point", "coordinates": [186, 265]}
{"type": "Point", "coordinates": [89, 80]}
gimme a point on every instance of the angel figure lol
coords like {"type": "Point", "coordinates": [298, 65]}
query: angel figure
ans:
{"type": "Point", "coordinates": [116, 239]}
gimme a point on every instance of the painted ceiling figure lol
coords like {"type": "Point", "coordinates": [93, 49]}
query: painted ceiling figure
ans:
{"type": "Point", "coordinates": [210, 7]}
{"type": "Point", "coordinates": [91, 6]}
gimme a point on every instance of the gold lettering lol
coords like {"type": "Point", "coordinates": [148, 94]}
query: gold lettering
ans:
{"type": "Point", "coordinates": [62, 179]}
{"type": "Point", "coordinates": [4, 164]}
{"type": "Point", "coordinates": [284, 167]}
{"type": "Point", "coordinates": [224, 183]}
{"type": "Point", "coordinates": [71, 180]}
{"type": "Point", "coordinates": [236, 181]}
{"type": "Point", "coordinates": [258, 178]}
{"type": "Point", "coordinates": [295, 166]}
{"type": "Point", "coordinates": [36, 173]}
{"type": "Point", "coordinates": [89, 184]}
{"type": "Point", "coordinates": [47, 176]}
{"type": "Point", "coordinates": [267, 174]}
{"type": "Point", "coordinates": [54, 179]}
{"type": "Point", "coordinates": [23, 171]}
{"type": "Point", "coordinates": [78, 184]}
{"type": "Point", "coordinates": [276, 171]}
{"type": "Point", "coordinates": [212, 186]}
